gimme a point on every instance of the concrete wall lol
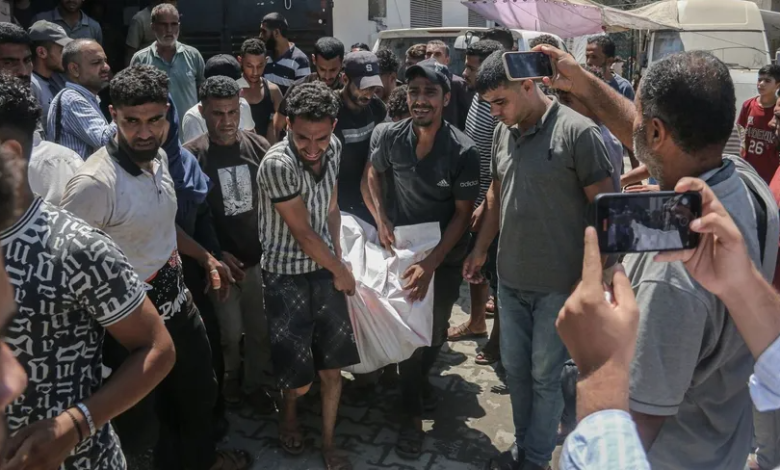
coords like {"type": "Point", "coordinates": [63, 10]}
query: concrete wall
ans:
{"type": "Point", "coordinates": [453, 13]}
{"type": "Point", "coordinates": [351, 23]}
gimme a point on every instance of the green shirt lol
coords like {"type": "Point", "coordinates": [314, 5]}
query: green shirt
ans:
{"type": "Point", "coordinates": [185, 71]}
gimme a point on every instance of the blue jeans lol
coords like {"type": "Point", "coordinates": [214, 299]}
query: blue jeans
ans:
{"type": "Point", "coordinates": [533, 355]}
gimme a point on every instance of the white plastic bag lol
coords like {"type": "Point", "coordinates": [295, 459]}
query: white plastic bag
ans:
{"type": "Point", "coordinates": [388, 328]}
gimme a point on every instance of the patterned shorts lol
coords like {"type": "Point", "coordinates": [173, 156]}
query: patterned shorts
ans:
{"type": "Point", "coordinates": [309, 326]}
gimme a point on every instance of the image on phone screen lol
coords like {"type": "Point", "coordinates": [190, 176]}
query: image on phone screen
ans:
{"type": "Point", "coordinates": [635, 223]}
{"type": "Point", "coordinates": [528, 65]}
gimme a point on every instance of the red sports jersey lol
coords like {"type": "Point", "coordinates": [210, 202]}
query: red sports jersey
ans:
{"type": "Point", "coordinates": [774, 186]}
{"type": "Point", "coordinates": [760, 147]}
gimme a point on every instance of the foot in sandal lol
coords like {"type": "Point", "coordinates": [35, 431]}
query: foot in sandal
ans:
{"type": "Point", "coordinates": [291, 438]}
{"type": "Point", "coordinates": [410, 440]}
{"type": "Point", "coordinates": [233, 459]}
{"type": "Point", "coordinates": [335, 459]}
{"type": "Point", "coordinates": [464, 332]}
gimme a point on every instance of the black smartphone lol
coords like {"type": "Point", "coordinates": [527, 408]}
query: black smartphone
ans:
{"type": "Point", "coordinates": [653, 221]}
{"type": "Point", "coordinates": [528, 65]}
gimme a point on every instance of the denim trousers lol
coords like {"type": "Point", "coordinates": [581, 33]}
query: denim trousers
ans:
{"type": "Point", "coordinates": [533, 356]}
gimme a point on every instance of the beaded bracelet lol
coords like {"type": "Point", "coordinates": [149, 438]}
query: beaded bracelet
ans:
{"type": "Point", "coordinates": [76, 424]}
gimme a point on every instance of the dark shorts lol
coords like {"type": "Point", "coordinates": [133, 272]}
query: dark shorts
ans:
{"type": "Point", "coordinates": [309, 327]}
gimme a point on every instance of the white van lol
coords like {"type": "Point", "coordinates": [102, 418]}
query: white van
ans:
{"type": "Point", "coordinates": [399, 40]}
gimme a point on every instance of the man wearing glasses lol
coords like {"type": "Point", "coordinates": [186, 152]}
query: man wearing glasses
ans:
{"type": "Point", "coordinates": [183, 64]}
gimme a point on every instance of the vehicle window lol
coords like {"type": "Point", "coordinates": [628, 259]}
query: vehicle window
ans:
{"type": "Point", "coordinates": [400, 45]}
{"type": "Point", "coordinates": [738, 49]}
{"type": "Point", "coordinates": [665, 43]}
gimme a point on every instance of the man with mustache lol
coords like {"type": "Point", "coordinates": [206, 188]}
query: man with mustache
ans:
{"type": "Point", "coordinates": [73, 285]}
{"type": "Point", "coordinates": [183, 64]}
{"type": "Point", "coordinates": [286, 63]}
{"type": "Point", "coordinates": [76, 23]}
{"type": "Point", "coordinates": [126, 190]}
{"type": "Point", "coordinates": [304, 276]}
{"type": "Point", "coordinates": [328, 59]}
{"type": "Point", "coordinates": [549, 163]}
{"type": "Point", "coordinates": [75, 120]}
{"type": "Point", "coordinates": [431, 170]}
{"type": "Point", "coordinates": [360, 111]}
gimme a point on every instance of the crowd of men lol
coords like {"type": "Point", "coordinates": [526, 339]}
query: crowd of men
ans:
{"type": "Point", "coordinates": [198, 225]}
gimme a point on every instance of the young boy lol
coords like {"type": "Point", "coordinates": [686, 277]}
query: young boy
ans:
{"type": "Point", "coordinates": [759, 142]}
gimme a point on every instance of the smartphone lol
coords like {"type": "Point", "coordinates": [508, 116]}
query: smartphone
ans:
{"type": "Point", "coordinates": [641, 222]}
{"type": "Point", "coordinates": [528, 65]}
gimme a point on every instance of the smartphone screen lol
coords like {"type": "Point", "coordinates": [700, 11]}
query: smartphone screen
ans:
{"type": "Point", "coordinates": [521, 65]}
{"type": "Point", "coordinates": [656, 221]}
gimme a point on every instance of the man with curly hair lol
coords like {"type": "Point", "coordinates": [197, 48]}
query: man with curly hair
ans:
{"type": "Point", "coordinates": [388, 72]}
{"type": "Point", "coordinates": [304, 277]}
{"type": "Point", "coordinates": [126, 190]}
{"type": "Point", "coordinates": [73, 284]}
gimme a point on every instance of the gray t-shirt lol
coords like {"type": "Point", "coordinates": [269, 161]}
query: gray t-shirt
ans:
{"type": "Point", "coordinates": [691, 364]}
{"type": "Point", "coordinates": [543, 205]}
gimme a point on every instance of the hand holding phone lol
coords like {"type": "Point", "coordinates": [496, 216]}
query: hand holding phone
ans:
{"type": "Point", "coordinates": [642, 222]}
{"type": "Point", "coordinates": [528, 65]}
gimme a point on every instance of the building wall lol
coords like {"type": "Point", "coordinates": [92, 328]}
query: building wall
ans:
{"type": "Point", "coordinates": [351, 23]}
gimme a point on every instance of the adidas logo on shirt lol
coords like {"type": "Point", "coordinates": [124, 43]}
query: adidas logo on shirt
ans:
{"type": "Point", "coordinates": [443, 184]}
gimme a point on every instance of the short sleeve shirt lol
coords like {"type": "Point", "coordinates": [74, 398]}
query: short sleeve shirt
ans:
{"type": "Point", "coordinates": [622, 86]}
{"type": "Point", "coordinates": [691, 364]}
{"type": "Point", "coordinates": [71, 281]}
{"type": "Point", "coordinates": [86, 28]}
{"type": "Point", "coordinates": [354, 130]}
{"type": "Point", "coordinates": [421, 190]}
{"type": "Point", "coordinates": [140, 33]}
{"type": "Point", "coordinates": [543, 173]}
{"type": "Point", "coordinates": [287, 68]}
{"type": "Point", "coordinates": [760, 147]}
{"type": "Point", "coordinates": [282, 176]}
{"type": "Point", "coordinates": [185, 71]}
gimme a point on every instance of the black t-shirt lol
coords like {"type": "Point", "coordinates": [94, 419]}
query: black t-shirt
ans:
{"type": "Point", "coordinates": [337, 85]}
{"type": "Point", "coordinates": [71, 281]}
{"type": "Point", "coordinates": [425, 190]}
{"type": "Point", "coordinates": [354, 130]}
{"type": "Point", "coordinates": [457, 109]}
{"type": "Point", "coordinates": [263, 111]}
{"type": "Point", "coordinates": [234, 197]}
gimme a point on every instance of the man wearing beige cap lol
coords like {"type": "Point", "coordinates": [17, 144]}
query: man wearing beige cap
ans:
{"type": "Point", "coordinates": [48, 40]}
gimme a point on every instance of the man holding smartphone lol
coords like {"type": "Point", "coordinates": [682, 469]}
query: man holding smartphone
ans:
{"type": "Point", "coordinates": [433, 173]}
{"type": "Point", "coordinates": [549, 163]}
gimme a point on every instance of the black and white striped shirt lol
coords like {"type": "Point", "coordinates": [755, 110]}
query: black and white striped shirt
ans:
{"type": "Point", "coordinates": [282, 177]}
{"type": "Point", "coordinates": [286, 69]}
{"type": "Point", "coordinates": [480, 126]}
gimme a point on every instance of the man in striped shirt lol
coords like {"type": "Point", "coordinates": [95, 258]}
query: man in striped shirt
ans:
{"type": "Point", "coordinates": [286, 63]}
{"type": "Point", "coordinates": [305, 279]}
{"type": "Point", "coordinates": [479, 126]}
{"type": "Point", "coordinates": [75, 120]}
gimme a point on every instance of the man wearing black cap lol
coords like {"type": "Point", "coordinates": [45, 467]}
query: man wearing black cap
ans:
{"type": "Point", "coordinates": [193, 125]}
{"type": "Point", "coordinates": [360, 111]}
{"type": "Point", "coordinates": [433, 169]}
{"type": "Point", "coordinates": [286, 63]}
{"type": "Point", "coordinates": [48, 40]}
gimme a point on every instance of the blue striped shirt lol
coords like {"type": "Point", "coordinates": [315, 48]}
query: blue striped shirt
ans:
{"type": "Point", "coordinates": [83, 128]}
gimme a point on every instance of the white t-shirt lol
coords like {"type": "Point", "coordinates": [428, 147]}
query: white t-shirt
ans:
{"type": "Point", "coordinates": [51, 167]}
{"type": "Point", "coordinates": [193, 125]}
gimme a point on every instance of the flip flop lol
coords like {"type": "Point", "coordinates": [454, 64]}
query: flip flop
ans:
{"type": "Point", "coordinates": [291, 440]}
{"type": "Point", "coordinates": [463, 332]}
{"type": "Point", "coordinates": [335, 460]}
{"type": "Point", "coordinates": [410, 442]}
{"type": "Point", "coordinates": [484, 358]}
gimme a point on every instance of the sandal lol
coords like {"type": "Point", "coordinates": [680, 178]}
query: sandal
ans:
{"type": "Point", "coordinates": [463, 332]}
{"type": "Point", "coordinates": [291, 440]}
{"type": "Point", "coordinates": [335, 460]}
{"type": "Point", "coordinates": [485, 358]}
{"type": "Point", "coordinates": [410, 442]}
{"type": "Point", "coordinates": [233, 459]}
{"type": "Point", "coordinates": [490, 305]}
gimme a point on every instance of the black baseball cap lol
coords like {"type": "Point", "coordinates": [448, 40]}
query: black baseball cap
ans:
{"type": "Point", "coordinates": [362, 67]}
{"type": "Point", "coordinates": [433, 71]}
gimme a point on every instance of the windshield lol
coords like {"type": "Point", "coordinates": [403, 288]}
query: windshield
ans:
{"type": "Point", "coordinates": [738, 49]}
{"type": "Point", "coordinates": [400, 45]}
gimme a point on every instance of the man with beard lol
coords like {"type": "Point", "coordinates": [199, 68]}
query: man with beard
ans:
{"type": "Point", "coordinates": [328, 59]}
{"type": "Point", "coordinates": [48, 41]}
{"type": "Point", "coordinates": [15, 54]}
{"type": "Point", "coordinates": [600, 53]}
{"type": "Point", "coordinates": [75, 120]}
{"type": "Point", "coordinates": [230, 158]}
{"type": "Point", "coordinates": [286, 63]}
{"type": "Point", "coordinates": [688, 393]}
{"type": "Point", "coordinates": [431, 171]}
{"type": "Point", "coordinates": [549, 163]}
{"type": "Point", "coordinates": [126, 190]}
{"type": "Point", "coordinates": [140, 33]}
{"type": "Point", "coordinates": [183, 64]}
{"type": "Point", "coordinates": [263, 97]}
{"type": "Point", "coordinates": [388, 72]}
{"type": "Point", "coordinates": [360, 111]}
{"type": "Point", "coordinates": [480, 126]}
{"type": "Point", "coordinates": [73, 283]}
{"type": "Point", "coordinates": [304, 277]}
{"type": "Point", "coordinates": [73, 20]}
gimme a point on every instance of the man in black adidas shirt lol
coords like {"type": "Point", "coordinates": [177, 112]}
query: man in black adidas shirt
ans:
{"type": "Point", "coordinates": [360, 111]}
{"type": "Point", "coordinates": [73, 284]}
